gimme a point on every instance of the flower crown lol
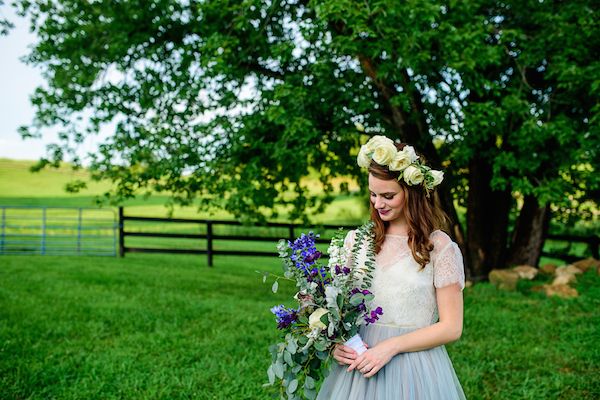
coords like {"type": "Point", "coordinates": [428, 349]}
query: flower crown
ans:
{"type": "Point", "coordinates": [383, 151]}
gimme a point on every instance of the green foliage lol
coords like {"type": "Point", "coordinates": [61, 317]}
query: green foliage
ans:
{"type": "Point", "coordinates": [158, 327]}
{"type": "Point", "coordinates": [232, 103]}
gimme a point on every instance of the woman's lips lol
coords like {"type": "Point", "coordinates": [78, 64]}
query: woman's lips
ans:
{"type": "Point", "coordinates": [383, 212]}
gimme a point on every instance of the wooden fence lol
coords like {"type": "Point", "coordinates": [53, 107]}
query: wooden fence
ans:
{"type": "Point", "coordinates": [209, 236]}
{"type": "Point", "coordinates": [292, 231]}
{"type": "Point", "coordinates": [593, 242]}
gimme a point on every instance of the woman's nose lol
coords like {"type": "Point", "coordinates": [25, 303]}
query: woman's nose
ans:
{"type": "Point", "coordinates": [378, 202]}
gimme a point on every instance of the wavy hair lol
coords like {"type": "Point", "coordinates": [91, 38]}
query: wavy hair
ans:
{"type": "Point", "coordinates": [423, 214]}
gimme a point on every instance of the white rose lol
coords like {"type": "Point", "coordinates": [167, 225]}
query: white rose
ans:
{"type": "Point", "coordinates": [377, 141]}
{"type": "Point", "coordinates": [385, 153]}
{"type": "Point", "coordinates": [412, 175]}
{"type": "Point", "coordinates": [400, 161]}
{"type": "Point", "coordinates": [314, 321]}
{"type": "Point", "coordinates": [363, 159]}
{"type": "Point", "coordinates": [438, 177]}
{"type": "Point", "coordinates": [410, 152]}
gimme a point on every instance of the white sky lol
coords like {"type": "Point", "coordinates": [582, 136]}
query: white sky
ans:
{"type": "Point", "coordinates": [17, 83]}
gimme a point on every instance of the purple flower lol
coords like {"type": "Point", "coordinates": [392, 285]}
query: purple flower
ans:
{"type": "Point", "coordinates": [312, 257]}
{"type": "Point", "coordinates": [339, 270]}
{"type": "Point", "coordinates": [285, 316]}
{"type": "Point", "coordinates": [374, 315]}
{"type": "Point", "coordinates": [304, 252]}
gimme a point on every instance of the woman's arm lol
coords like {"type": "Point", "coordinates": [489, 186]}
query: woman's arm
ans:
{"type": "Point", "coordinates": [448, 329]}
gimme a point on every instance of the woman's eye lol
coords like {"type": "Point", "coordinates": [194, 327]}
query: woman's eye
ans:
{"type": "Point", "coordinates": [388, 197]}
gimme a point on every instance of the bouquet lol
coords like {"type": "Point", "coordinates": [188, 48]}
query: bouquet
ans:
{"type": "Point", "coordinates": [333, 302]}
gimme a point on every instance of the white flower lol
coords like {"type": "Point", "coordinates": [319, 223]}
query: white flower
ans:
{"type": "Point", "coordinates": [363, 159]}
{"type": "Point", "coordinates": [438, 177]}
{"type": "Point", "coordinates": [377, 141]}
{"type": "Point", "coordinates": [412, 175]}
{"type": "Point", "coordinates": [314, 321]}
{"type": "Point", "coordinates": [331, 294]}
{"type": "Point", "coordinates": [410, 152]}
{"type": "Point", "coordinates": [400, 161]}
{"type": "Point", "coordinates": [385, 153]}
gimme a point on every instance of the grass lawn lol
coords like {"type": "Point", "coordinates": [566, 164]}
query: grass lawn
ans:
{"type": "Point", "coordinates": [168, 327]}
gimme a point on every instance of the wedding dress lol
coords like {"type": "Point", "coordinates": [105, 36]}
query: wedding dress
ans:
{"type": "Point", "coordinates": [406, 292]}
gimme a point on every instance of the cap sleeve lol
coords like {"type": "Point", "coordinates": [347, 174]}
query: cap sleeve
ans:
{"type": "Point", "coordinates": [448, 266]}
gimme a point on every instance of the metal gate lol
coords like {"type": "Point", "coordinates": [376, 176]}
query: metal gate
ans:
{"type": "Point", "coordinates": [58, 231]}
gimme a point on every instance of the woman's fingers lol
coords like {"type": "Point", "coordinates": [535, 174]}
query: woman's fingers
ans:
{"type": "Point", "coordinates": [344, 355]}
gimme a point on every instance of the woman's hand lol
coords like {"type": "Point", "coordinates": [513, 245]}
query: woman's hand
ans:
{"type": "Point", "coordinates": [372, 360]}
{"type": "Point", "coordinates": [344, 355]}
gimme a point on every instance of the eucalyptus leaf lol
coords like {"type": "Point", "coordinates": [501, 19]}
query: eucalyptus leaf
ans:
{"type": "Point", "coordinates": [271, 375]}
{"type": "Point", "coordinates": [292, 386]}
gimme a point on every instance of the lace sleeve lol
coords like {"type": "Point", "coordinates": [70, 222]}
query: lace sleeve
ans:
{"type": "Point", "coordinates": [448, 266]}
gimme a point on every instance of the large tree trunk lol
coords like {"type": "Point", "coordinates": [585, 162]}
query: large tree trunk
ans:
{"type": "Point", "coordinates": [529, 233]}
{"type": "Point", "coordinates": [487, 221]}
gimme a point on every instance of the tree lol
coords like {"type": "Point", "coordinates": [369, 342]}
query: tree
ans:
{"type": "Point", "coordinates": [230, 104]}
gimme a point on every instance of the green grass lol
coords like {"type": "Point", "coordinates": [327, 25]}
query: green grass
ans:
{"type": "Point", "coordinates": [168, 327]}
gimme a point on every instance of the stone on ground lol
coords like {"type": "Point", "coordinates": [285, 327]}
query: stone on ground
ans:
{"type": "Point", "coordinates": [526, 272]}
{"type": "Point", "coordinates": [504, 278]}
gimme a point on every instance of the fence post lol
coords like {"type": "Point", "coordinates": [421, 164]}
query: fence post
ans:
{"type": "Point", "coordinates": [121, 235]}
{"type": "Point", "coordinates": [43, 247]}
{"type": "Point", "coordinates": [594, 244]}
{"type": "Point", "coordinates": [79, 221]}
{"type": "Point", "coordinates": [209, 243]}
{"type": "Point", "coordinates": [3, 234]}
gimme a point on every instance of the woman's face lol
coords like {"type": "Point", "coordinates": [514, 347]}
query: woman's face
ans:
{"type": "Point", "coordinates": [387, 197]}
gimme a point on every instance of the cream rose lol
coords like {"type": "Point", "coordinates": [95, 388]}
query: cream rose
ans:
{"type": "Point", "coordinates": [411, 154]}
{"type": "Point", "coordinates": [385, 153]}
{"type": "Point", "coordinates": [314, 321]}
{"type": "Point", "coordinates": [412, 175]}
{"type": "Point", "coordinates": [363, 159]}
{"type": "Point", "coordinates": [438, 177]}
{"type": "Point", "coordinates": [400, 161]}
{"type": "Point", "coordinates": [377, 141]}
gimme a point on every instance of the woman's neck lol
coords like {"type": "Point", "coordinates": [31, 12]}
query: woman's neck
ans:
{"type": "Point", "coordinates": [397, 227]}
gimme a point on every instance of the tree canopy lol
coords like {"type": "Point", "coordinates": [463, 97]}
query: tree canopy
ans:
{"type": "Point", "coordinates": [231, 103]}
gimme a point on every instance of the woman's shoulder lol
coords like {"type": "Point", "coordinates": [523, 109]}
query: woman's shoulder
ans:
{"type": "Point", "coordinates": [440, 240]}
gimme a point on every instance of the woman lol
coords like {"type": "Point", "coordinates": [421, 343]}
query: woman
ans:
{"type": "Point", "coordinates": [418, 282]}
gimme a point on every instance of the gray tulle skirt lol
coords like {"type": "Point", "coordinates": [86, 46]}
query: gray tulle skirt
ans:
{"type": "Point", "coordinates": [419, 375]}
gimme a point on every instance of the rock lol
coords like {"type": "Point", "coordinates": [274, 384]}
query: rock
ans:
{"type": "Point", "coordinates": [564, 279]}
{"type": "Point", "coordinates": [504, 278]}
{"type": "Point", "coordinates": [526, 271]}
{"type": "Point", "coordinates": [567, 270]}
{"type": "Point", "coordinates": [588, 263]}
{"type": "Point", "coordinates": [564, 291]}
{"type": "Point", "coordinates": [548, 269]}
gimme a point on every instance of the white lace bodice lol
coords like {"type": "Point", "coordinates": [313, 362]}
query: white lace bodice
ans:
{"type": "Point", "coordinates": [404, 290]}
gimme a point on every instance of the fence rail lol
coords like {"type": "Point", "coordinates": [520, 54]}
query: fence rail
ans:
{"type": "Point", "coordinates": [57, 231]}
{"type": "Point", "coordinates": [593, 243]}
{"type": "Point", "coordinates": [209, 236]}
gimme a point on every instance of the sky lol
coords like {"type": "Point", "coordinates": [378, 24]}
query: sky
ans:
{"type": "Point", "coordinates": [18, 81]}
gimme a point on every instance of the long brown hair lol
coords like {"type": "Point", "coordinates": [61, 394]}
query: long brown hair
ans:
{"type": "Point", "coordinates": [423, 213]}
